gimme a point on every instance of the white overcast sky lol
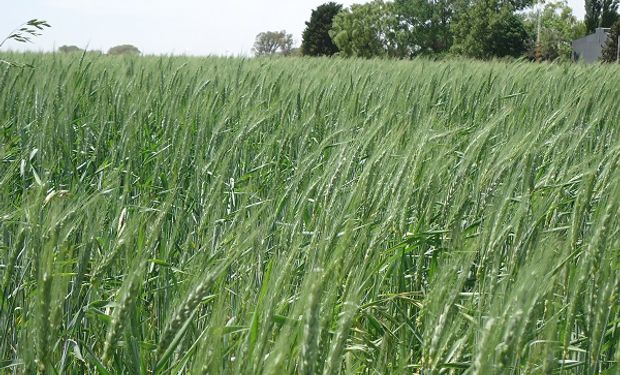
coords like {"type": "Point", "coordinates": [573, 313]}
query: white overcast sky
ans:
{"type": "Point", "coordinates": [194, 27]}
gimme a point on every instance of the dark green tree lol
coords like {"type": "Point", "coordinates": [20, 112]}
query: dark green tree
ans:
{"type": "Point", "coordinates": [610, 50]}
{"type": "Point", "coordinates": [609, 13]}
{"type": "Point", "coordinates": [593, 14]}
{"type": "Point", "coordinates": [489, 28]}
{"type": "Point", "coordinates": [315, 39]}
{"type": "Point", "coordinates": [508, 36]}
{"type": "Point", "coordinates": [425, 24]}
{"type": "Point", "coordinates": [600, 13]}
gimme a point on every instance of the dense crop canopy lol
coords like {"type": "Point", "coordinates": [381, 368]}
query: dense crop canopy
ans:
{"type": "Point", "coordinates": [184, 215]}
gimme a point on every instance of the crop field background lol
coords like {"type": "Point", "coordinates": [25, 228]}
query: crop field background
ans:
{"type": "Point", "coordinates": [220, 215]}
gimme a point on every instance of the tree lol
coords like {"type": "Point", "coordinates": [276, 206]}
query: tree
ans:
{"type": "Point", "coordinates": [490, 29]}
{"type": "Point", "coordinates": [124, 49]}
{"type": "Point", "coordinates": [593, 14]}
{"type": "Point", "coordinates": [368, 30]}
{"type": "Point", "coordinates": [609, 13]}
{"type": "Point", "coordinates": [425, 24]}
{"type": "Point", "coordinates": [407, 28]}
{"type": "Point", "coordinates": [558, 28]}
{"type": "Point", "coordinates": [600, 13]}
{"type": "Point", "coordinates": [70, 49]}
{"type": "Point", "coordinates": [315, 39]}
{"type": "Point", "coordinates": [610, 50]}
{"type": "Point", "coordinates": [400, 29]}
{"type": "Point", "coordinates": [273, 42]}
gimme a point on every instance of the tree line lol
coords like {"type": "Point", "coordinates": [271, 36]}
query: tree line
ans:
{"type": "Point", "coordinates": [123, 49]}
{"type": "Point", "coordinates": [481, 29]}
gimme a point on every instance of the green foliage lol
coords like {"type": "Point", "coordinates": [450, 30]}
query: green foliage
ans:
{"type": "Point", "coordinates": [489, 28]}
{"type": "Point", "coordinates": [124, 49]}
{"type": "Point", "coordinates": [610, 50]}
{"type": "Point", "coordinates": [593, 14]}
{"type": "Point", "coordinates": [273, 42]}
{"type": "Point", "coordinates": [424, 25]}
{"type": "Point", "coordinates": [519, 5]}
{"type": "Point", "coordinates": [365, 30]}
{"type": "Point", "coordinates": [278, 216]}
{"type": "Point", "coordinates": [316, 40]}
{"type": "Point", "coordinates": [600, 13]}
{"type": "Point", "coordinates": [409, 28]}
{"type": "Point", "coordinates": [400, 29]}
{"type": "Point", "coordinates": [609, 13]}
{"type": "Point", "coordinates": [558, 28]}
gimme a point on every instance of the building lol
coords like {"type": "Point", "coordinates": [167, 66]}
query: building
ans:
{"type": "Point", "coordinates": [589, 48]}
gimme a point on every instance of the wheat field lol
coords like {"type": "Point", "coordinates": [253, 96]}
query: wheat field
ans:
{"type": "Point", "coordinates": [173, 215]}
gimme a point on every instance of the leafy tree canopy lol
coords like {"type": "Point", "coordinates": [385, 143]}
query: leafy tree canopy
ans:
{"type": "Point", "coordinates": [364, 30]}
{"type": "Point", "coordinates": [316, 40]}
{"type": "Point", "coordinates": [490, 29]}
{"type": "Point", "coordinates": [609, 13]}
{"type": "Point", "coordinates": [426, 23]}
{"type": "Point", "coordinates": [401, 29]}
{"type": "Point", "coordinates": [273, 42]}
{"type": "Point", "coordinates": [600, 13]}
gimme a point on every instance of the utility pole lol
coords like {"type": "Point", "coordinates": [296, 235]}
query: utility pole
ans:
{"type": "Point", "coordinates": [618, 50]}
{"type": "Point", "coordinates": [538, 49]}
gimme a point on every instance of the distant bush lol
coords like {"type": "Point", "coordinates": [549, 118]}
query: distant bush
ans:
{"type": "Point", "coordinates": [70, 49]}
{"type": "Point", "coordinates": [124, 49]}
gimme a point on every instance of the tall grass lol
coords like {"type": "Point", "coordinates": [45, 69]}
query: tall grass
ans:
{"type": "Point", "coordinates": [179, 215]}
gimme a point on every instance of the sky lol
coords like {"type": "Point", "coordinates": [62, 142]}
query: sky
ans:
{"type": "Point", "coordinates": [192, 27]}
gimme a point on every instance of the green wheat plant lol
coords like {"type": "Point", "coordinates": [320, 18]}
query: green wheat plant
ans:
{"type": "Point", "coordinates": [24, 34]}
{"type": "Point", "coordinates": [176, 215]}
